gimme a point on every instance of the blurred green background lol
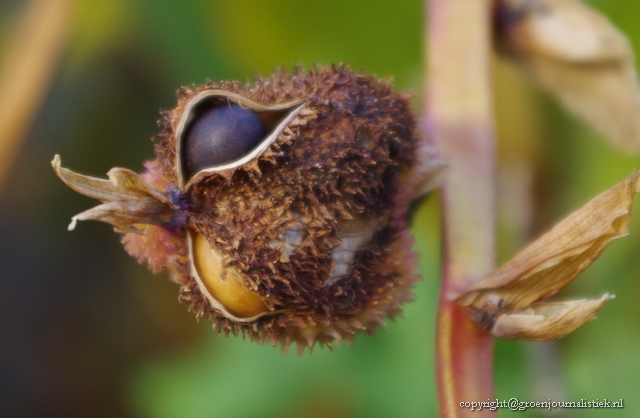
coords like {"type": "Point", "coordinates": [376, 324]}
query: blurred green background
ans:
{"type": "Point", "coordinates": [86, 331]}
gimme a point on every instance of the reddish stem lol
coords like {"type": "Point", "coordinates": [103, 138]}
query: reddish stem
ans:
{"type": "Point", "coordinates": [459, 120]}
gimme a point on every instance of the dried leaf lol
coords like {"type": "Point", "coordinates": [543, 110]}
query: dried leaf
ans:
{"type": "Point", "coordinates": [550, 263]}
{"type": "Point", "coordinates": [577, 55]}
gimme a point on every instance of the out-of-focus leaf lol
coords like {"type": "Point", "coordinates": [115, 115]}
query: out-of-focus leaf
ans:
{"type": "Point", "coordinates": [505, 300]}
{"type": "Point", "coordinates": [259, 35]}
{"type": "Point", "coordinates": [96, 27]}
{"type": "Point", "coordinates": [577, 55]}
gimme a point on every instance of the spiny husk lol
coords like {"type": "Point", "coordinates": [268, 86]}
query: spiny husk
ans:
{"type": "Point", "coordinates": [339, 165]}
{"type": "Point", "coordinates": [343, 155]}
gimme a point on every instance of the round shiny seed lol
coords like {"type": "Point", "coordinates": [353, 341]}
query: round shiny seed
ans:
{"type": "Point", "coordinates": [219, 135]}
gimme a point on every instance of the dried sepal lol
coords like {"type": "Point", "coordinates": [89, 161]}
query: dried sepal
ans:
{"type": "Point", "coordinates": [577, 55]}
{"type": "Point", "coordinates": [546, 321]}
{"type": "Point", "coordinates": [127, 199]}
{"type": "Point", "coordinates": [547, 265]}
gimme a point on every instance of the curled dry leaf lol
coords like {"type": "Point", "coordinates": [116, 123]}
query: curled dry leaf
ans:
{"type": "Point", "coordinates": [577, 55]}
{"type": "Point", "coordinates": [506, 300]}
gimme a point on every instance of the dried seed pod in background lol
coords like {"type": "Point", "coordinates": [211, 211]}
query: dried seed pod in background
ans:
{"type": "Point", "coordinates": [578, 56]}
{"type": "Point", "coordinates": [280, 208]}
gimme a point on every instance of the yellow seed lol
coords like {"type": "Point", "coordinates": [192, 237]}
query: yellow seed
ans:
{"type": "Point", "coordinates": [236, 299]}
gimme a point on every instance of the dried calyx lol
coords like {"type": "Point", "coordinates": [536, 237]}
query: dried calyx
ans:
{"type": "Point", "coordinates": [128, 200]}
{"type": "Point", "coordinates": [509, 302]}
{"type": "Point", "coordinates": [280, 208]}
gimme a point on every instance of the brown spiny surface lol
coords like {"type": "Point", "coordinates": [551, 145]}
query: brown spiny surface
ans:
{"type": "Point", "coordinates": [344, 156]}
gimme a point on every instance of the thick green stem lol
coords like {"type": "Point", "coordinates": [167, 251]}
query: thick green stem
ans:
{"type": "Point", "coordinates": [459, 121]}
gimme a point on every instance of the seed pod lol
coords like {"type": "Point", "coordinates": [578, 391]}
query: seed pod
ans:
{"type": "Point", "coordinates": [280, 208]}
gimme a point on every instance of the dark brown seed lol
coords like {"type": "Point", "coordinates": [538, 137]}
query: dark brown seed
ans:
{"type": "Point", "coordinates": [220, 135]}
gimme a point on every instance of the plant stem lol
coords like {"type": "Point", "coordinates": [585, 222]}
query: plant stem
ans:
{"type": "Point", "coordinates": [459, 120]}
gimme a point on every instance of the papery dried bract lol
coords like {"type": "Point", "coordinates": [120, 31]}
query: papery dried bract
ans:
{"type": "Point", "coordinates": [577, 55]}
{"type": "Point", "coordinates": [547, 265]}
{"type": "Point", "coordinates": [547, 321]}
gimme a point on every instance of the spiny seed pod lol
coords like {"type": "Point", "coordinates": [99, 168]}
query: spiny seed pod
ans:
{"type": "Point", "coordinates": [279, 208]}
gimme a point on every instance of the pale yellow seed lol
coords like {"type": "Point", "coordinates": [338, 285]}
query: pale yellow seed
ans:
{"type": "Point", "coordinates": [237, 299]}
